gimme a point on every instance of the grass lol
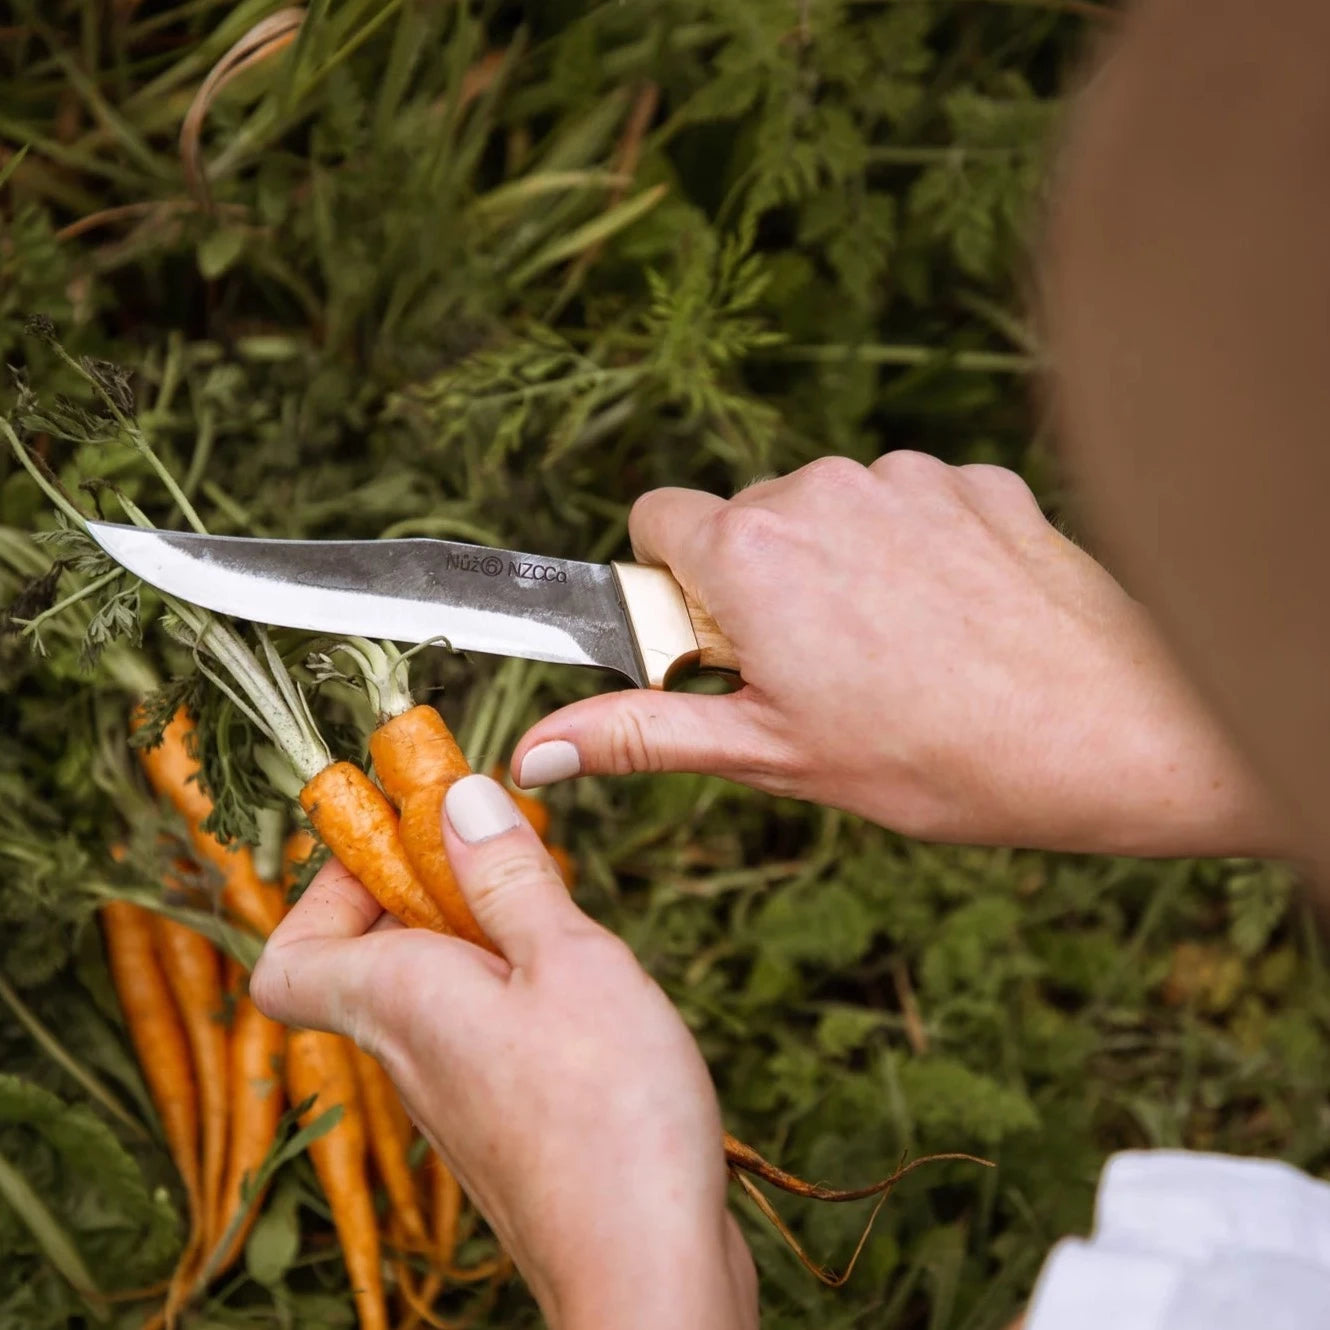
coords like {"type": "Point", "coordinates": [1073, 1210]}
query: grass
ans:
{"type": "Point", "coordinates": [490, 273]}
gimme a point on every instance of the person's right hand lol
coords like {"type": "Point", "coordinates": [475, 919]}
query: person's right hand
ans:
{"type": "Point", "coordinates": [920, 646]}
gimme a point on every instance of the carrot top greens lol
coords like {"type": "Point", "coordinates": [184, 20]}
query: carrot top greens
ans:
{"type": "Point", "coordinates": [419, 269]}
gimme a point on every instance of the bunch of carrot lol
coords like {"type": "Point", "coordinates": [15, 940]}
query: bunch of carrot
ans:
{"type": "Point", "coordinates": [400, 858]}
{"type": "Point", "coordinates": [218, 1084]}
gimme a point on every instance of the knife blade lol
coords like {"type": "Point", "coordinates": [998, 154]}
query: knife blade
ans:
{"type": "Point", "coordinates": [630, 618]}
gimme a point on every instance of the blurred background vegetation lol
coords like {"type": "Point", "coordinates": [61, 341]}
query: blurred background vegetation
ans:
{"type": "Point", "coordinates": [488, 271]}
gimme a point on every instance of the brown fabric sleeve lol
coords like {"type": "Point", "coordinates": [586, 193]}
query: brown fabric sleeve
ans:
{"type": "Point", "coordinates": [1186, 292]}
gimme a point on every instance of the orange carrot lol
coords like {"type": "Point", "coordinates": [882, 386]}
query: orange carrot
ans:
{"type": "Point", "coordinates": [255, 1086]}
{"type": "Point", "coordinates": [194, 972]}
{"type": "Point", "coordinates": [320, 1064]}
{"type": "Point", "coordinates": [445, 1211]}
{"type": "Point", "coordinates": [359, 826]}
{"type": "Point", "coordinates": [159, 1039]}
{"type": "Point", "coordinates": [416, 759]}
{"type": "Point", "coordinates": [172, 772]}
{"type": "Point", "coordinates": [300, 844]}
{"type": "Point", "coordinates": [389, 1131]}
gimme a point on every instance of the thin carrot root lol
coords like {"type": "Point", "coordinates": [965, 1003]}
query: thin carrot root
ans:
{"type": "Point", "coordinates": [403, 1276]}
{"type": "Point", "coordinates": [389, 1132]}
{"type": "Point", "coordinates": [445, 1212]}
{"type": "Point", "coordinates": [820, 1272]}
{"type": "Point", "coordinates": [416, 759]}
{"type": "Point", "coordinates": [743, 1160]}
{"type": "Point", "coordinates": [359, 826]}
{"type": "Point", "coordinates": [319, 1064]}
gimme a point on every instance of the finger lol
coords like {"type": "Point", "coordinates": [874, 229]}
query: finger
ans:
{"type": "Point", "coordinates": [332, 963]}
{"type": "Point", "coordinates": [999, 490]}
{"type": "Point", "coordinates": [334, 905]}
{"type": "Point", "coordinates": [645, 730]}
{"type": "Point", "coordinates": [663, 528]}
{"type": "Point", "coordinates": [505, 873]}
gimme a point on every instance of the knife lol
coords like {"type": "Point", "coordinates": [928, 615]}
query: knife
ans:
{"type": "Point", "coordinates": [632, 618]}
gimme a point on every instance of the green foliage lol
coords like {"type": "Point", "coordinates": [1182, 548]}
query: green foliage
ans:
{"type": "Point", "coordinates": [117, 1231]}
{"type": "Point", "coordinates": [450, 289]}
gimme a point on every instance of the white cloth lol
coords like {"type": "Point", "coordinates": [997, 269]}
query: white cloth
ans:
{"type": "Point", "coordinates": [1187, 1241]}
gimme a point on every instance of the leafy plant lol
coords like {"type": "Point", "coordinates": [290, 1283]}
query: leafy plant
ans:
{"type": "Point", "coordinates": [488, 272]}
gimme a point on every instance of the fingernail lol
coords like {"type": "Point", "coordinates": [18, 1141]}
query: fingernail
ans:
{"type": "Point", "coordinates": [479, 808]}
{"type": "Point", "coordinates": [554, 760]}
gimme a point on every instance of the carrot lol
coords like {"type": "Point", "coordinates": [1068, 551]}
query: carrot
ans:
{"type": "Point", "coordinates": [320, 1064]}
{"type": "Point", "coordinates": [445, 1211]}
{"type": "Point", "coordinates": [257, 1048]}
{"type": "Point", "coordinates": [300, 844]}
{"type": "Point", "coordinates": [172, 772]}
{"type": "Point", "coordinates": [359, 826]}
{"type": "Point", "coordinates": [194, 972]}
{"type": "Point", "coordinates": [389, 1131]}
{"type": "Point", "coordinates": [255, 1087]}
{"type": "Point", "coordinates": [416, 759]}
{"type": "Point", "coordinates": [159, 1039]}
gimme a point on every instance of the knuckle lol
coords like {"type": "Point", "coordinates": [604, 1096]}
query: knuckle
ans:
{"type": "Point", "coordinates": [834, 473]}
{"type": "Point", "coordinates": [906, 467]}
{"type": "Point", "coordinates": [998, 482]}
{"type": "Point", "coordinates": [745, 531]}
{"type": "Point", "coordinates": [642, 506]}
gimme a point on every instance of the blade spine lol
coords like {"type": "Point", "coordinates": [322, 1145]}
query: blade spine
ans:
{"type": "Point", "coordinates": [204, 537]}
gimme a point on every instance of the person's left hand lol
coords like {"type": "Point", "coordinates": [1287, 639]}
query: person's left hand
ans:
{"type": "Point", "coordinates": [558, 1083]}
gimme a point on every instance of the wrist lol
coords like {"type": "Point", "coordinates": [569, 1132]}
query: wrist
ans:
{"type": "Point", "coordinates": [703, 1279]}
{"type": "Point", "coordinates": [1185, 791]}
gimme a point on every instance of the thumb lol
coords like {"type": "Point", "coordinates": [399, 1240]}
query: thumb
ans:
{"type": "Point", "coordinates": [511, 883]}
{"type": "Point", "coordinates": [644, 730]}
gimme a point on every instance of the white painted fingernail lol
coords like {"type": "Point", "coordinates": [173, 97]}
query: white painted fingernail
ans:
{"type": "Point", "coordinates": [480, 808]}
{"type": "Point", "coordinates": [554, 760]}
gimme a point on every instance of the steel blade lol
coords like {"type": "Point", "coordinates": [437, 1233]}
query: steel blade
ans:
{"type": "Point", "coordinates": [500, 602]}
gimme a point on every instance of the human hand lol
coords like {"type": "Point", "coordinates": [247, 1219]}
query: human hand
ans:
{"type": "Point", "coordinates": [557, 1082]}
{"type": "Point", "coordinates": [921, 647]}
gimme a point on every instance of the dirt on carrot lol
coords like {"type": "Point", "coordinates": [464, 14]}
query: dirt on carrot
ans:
{"type": "Point", "coordinates": [416, 759]}
{"type": "Point", "coordinates": [359, 826]}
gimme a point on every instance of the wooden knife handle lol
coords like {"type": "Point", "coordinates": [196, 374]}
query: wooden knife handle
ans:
{"type": "Point", "coordinates": [715, 651]}
{"type": "Point", "coordinates": [672, 632]}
